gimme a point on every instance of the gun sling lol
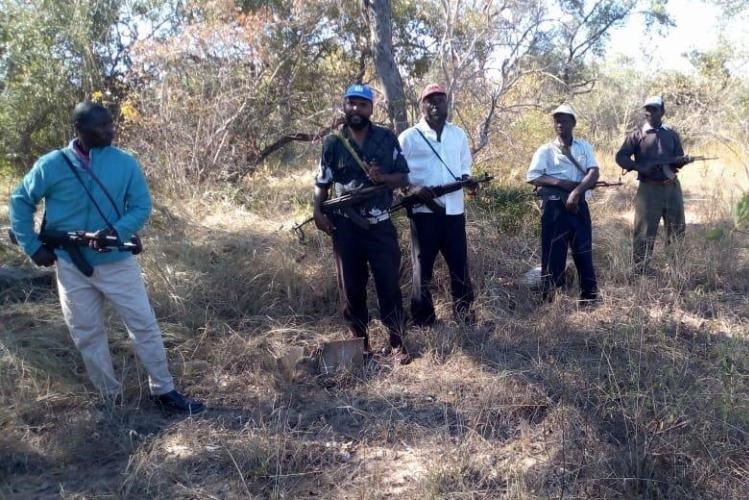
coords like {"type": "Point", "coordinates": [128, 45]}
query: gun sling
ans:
{"type": "Point", "coordinates": [135, 239]}
{"type": "Point", "coordinates": [431, 204]}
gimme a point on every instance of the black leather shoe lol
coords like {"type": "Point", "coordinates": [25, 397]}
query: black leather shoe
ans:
{"type": "Point", "coordinates": [175, 402]}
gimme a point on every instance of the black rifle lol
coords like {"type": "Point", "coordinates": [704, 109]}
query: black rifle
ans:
{"type": "Point", "coordinates": [72, 241]}
{"type": "Point", "coordinates": [346, 204]}
{"type": "Point", "coordinates": [412, 199]}
{"type": "Point", "coordinates": [558, 193]}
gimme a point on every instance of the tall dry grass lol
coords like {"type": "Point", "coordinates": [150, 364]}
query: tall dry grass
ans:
{"type": "Point", "coordinates": [644, 396]}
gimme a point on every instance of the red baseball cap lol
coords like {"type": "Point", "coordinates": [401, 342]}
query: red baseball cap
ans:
{"type": "Point", "coordinates": [432, 88]}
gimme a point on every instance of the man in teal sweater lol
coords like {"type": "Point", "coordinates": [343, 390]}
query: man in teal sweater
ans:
{"type": "Point", "coordinates": [95, 187]}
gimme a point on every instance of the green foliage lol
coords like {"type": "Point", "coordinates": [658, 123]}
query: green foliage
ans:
{"type": "Point", "coordinates": [53, 54]}
{"type": "Point", "coordinates": [741, 214]}
{"type": "Point", "coordinates": [510, 208]}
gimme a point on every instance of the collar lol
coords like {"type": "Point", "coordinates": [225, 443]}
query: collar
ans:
{"type": "Point", "coordinates": [429, 131]}
{"type": "Point", "coordinates": [346, 132]}
{"type": "Point", "coordinates": [75, 145]}
{"type": "Point", "coordinates": [559, 144]}
{"type": "Point", "coordinates": [647, 128]}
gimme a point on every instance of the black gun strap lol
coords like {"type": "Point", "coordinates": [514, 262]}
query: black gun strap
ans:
{"type": "Point", "coordinates": [90, 196]}
{"type": "Point", "coordinates": [436, 153]}
{"type": "Point", "coordinates": [567, 151]}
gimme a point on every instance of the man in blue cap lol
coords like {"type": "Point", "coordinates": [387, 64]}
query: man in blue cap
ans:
{"type": "Point", "coordinates": [362, 155]}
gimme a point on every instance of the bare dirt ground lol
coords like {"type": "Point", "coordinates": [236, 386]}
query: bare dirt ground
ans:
{"type": "Point", "coordinates": [645, 396]}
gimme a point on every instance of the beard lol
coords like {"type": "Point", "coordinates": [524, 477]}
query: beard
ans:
{"type": "Point", "coordinates": [437, 116]}
{"type": "Point", "coordinates": [357, 122]}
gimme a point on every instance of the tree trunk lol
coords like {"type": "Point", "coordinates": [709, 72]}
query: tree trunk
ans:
{"type": "Point", "coordinates": [382, 47]}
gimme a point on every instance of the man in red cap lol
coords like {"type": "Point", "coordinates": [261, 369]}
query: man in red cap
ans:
{"type": "Point", "coordinates": [437, 153]}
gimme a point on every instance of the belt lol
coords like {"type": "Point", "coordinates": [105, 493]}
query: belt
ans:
{"type": "Point", "coordinates": [379, 218]}
{"type": "Point", "coordinates": [372, 220]}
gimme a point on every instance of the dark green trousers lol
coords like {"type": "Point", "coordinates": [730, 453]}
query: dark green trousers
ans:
{"type": "Point", "coordinates": [653, 202]}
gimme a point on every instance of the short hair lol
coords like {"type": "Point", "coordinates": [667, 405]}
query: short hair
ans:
{"type": "Point", "coordinates": [86, 110]}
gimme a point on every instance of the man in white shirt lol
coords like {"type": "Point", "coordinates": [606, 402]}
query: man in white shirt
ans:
{"type": "Point", "coordinates": [563, 171]}
{"type": "Point", "coordinates": [437, 153]}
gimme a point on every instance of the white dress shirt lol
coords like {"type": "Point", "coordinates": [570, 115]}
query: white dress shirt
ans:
{"type": "Point", "coordinates": [549, 160]}
{"type": "Point", "coordinates": [425, 169]}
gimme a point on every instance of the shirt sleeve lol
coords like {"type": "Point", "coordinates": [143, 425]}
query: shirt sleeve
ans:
{"type": "Point", "coordinates": [624, 155]}
{"type": "Point", "coordinates": [400, 165]}
{"type": "Point", "coordinates": [591, 157]}
{"type": "Point", "coordinates": [404, 141]}
{"type": "Point", "coordinates": [137, 204]}
{"type": "Point", "coordinates": [324, 176]}
{"type": "Point", "coordinates": [678, 148]}
{"type": "Point", "coordinates": [23, 203]}
{"type": "Point", "coordinates": [538, 164]}
{"type": "Point", "coordinates": [466, 160]}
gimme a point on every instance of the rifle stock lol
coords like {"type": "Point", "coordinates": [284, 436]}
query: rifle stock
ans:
{"type": "Point", "coordinates": [345, 204]}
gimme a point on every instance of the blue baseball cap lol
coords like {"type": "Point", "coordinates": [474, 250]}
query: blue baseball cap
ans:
{"type": "Point", "coordinates": [359, 90]}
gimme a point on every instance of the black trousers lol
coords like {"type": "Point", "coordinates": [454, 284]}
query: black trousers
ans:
{"type": "Point", "coordinates": [432, 234]}
{"type": "Point", "coordinates": [377, 246]}
{"type": "Point", "coordinates": [561, 229]}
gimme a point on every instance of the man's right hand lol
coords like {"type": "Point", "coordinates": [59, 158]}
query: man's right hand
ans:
{"type": "Point", "coordinates": [323, 223]}
{"type": "Point", "coordinates": [423, 193]}
{"type": "Point", "coordinates": [44, 257]}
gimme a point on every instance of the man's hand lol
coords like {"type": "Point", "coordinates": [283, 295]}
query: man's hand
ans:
{"type": "Point", "coordinates": [44, 257]}
{"type": "Point", "coordinates": [102, 238]}
{"type": "Point", "coordinates": [323, 223]}
{"type": "Point", "coordinates": [471, 186]}
{"type": "Point", "coordinates": [374, 172]}
{"type": "Point", "coordinates": [680, 161]}
{"type": "Point", "coordinates": [567, 185]}
{"type": "Point", "coordinates": [572, 200]}
{"type": "Point", "coordinates": [423, 193]}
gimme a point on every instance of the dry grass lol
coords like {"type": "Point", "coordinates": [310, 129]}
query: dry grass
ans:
{"type": "Point", "coordinates": [645, 396]}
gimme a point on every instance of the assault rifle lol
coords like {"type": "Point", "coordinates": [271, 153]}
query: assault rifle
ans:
{"type": "Point", "coordinates": [413, 198]}
{"type": "Point", "coordinates": [346, 204]}
{"type": "Point", "coordinates": [665, 164]}
{"type": "Point", "coordinates": [558, 193]}
{"type": "Point", "coordinates": [72, 241]}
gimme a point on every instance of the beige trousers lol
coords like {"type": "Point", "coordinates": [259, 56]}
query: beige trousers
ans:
{"type": "Point", "coordinates": [82, 301]}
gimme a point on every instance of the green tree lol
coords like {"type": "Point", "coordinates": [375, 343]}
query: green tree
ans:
{"type": "Point", "coordinates": [54, 53]}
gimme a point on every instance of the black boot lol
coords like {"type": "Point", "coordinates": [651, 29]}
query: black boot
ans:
{"type": "Point", "coordinates": [175, 402]}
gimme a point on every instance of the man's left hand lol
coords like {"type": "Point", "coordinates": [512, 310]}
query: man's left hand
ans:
{"type": "Point", "coordinates": [375, 174]}
{"type": "Point", "coordinates": [680, 161]}
{"type": "Point", "coordinates": [572, 200]}
{"type": "Point", "coordinates": [102, 238]}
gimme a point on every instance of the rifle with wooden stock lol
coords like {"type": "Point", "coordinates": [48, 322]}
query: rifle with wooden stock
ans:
{"type": "Point", "coordinates": [654, 167]}
{"type": "Point", "coordinates": [347, 203]}
{"type": "Point", "coordinates": [416, 197]}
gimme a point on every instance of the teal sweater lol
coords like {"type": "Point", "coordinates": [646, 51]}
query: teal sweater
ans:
{"type": "Point", "coordinates": [68, 207]}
